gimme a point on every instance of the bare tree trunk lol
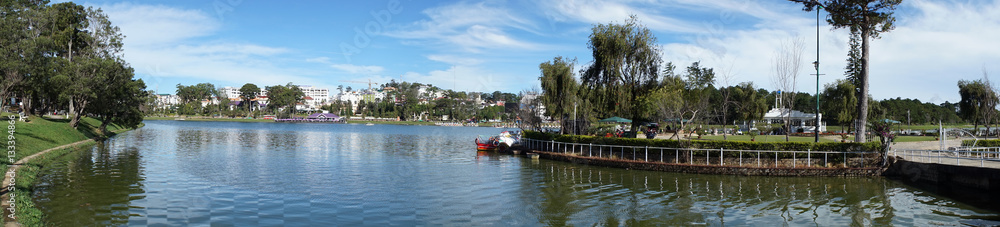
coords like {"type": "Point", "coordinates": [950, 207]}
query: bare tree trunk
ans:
{"type": "Point", "coordinates": [863, 95]}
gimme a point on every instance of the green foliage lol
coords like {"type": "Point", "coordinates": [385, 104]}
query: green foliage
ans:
{"type": "Point", "coordinates": [981, 143]}
{"type": "Point", "coordinates": [708, 144]}
{"type": "Point", "coordinates": [626, 68]}
{"type": "Point", "coordinates": [559, 88]}
{"type": "Point", "coordinates": [979, 101]}
{"type": "Point", "coordinates": [282, 97]}
{"type": "Point", "coordinates": [840, 102]}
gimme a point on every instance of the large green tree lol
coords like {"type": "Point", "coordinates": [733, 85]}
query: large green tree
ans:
{"type": "Point", "coordinates": [867, 19]}
{"type": "Point", "coordinates": [284, 97]}
{"type": "Point", "coordinates": [840, 103]}
{"type": "Point", "coordinates": [119, 98]}
{"type": "Point", "coordinates": [249, 92]}
{"type": "Point", "coordinates": [558, 88]}
{"type": "Point", "coordinates": [979, 102]}
{"type": "Point", "coordinates": [625, 70]}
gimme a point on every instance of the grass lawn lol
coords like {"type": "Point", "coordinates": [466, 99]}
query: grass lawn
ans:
{"type": "Point", "coordinates": [914, 138]}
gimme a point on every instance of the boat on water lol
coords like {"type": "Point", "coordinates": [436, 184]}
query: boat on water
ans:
{"type": "Point", "coordinates": [369, 124]}
{"type": "Point", "coordinates": [501, 142]}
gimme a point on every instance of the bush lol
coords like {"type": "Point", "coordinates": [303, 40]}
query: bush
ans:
{"type": "Point", "coordinates": [981, 143]}
{"type": "Point", "coordinates": [709, 144]}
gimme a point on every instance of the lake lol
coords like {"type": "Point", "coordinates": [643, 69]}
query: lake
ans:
{"type": "Point", "coordinates": [285, 174]}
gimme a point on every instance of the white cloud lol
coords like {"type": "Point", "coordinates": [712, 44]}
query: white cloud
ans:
{"type": "Point", "coordinates": [324, 60]}
{"type": "Point", "coordinates": [454, 60]}
{"type": "Point", "coordinates": [165, 42]}
{"type": "Point", "coordinates": [464, 78]}
{"type": "Point", "coordinates": [470, 27]}
{"type": "Point", "coordinates": [359, 69]}
{"type": "Point", "coordinates": [602, 12]}
{"type": "Point", "coordinates": [153, 25]}
{"type": "Point", "coordinates": [934, 45]}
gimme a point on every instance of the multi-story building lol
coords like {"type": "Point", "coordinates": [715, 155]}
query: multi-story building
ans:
{"type": "Point", "coordinates": [314, 97]}
{"type": "Point", "coordinates": [166, 100]}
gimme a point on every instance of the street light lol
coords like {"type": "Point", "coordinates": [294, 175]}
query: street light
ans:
{"type": "Point", "coordinates": [816, 65]}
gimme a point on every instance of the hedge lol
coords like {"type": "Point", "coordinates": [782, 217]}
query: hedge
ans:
{"type": "Point", "coordinates": [708, 144]}
{"type": "Point", "coordinates": [981, 143]}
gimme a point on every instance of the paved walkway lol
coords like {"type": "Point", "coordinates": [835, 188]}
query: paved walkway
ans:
{"type": "Point", "coordinates": [927, 152]}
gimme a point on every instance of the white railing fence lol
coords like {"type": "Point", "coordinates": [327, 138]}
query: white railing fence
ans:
{"type": "Point", "coordinates": [968, 156]}
{"type": "Point", "coordinates": [713, 157]}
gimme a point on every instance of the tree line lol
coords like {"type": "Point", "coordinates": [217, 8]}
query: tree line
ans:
{"type": "Point", "coordinates": [403, 100]}
{"type": "Point", "coordinates": [415, 101]}
{"type": "Point", "coordinates": [67, 57]}
{"type": "Point", "coordinates": [281, 101]}
{"type": "Point", "coordinates": [628, 78]}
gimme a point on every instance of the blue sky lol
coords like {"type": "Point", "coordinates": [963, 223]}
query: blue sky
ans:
{"type": "Point", "coordinates": [498, 45]}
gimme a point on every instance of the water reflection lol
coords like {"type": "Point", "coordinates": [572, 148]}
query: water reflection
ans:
{"type": "Point", "coordinates": [250, 174]}
{"type": "Point", "coordinates": [582, 195]}
{"type": "Point", "coordinates": [97, 183]}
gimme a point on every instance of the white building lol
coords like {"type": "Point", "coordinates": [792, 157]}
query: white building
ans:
{"type": "Point", "coordinates": [314, 97]}
{"type": "Point", "coordinates": [806, 122]}
{"type": "Point", "coordinates": [234, 92]}
{"type": "Point", "coordinates": [532, 98]}
{"type": "Point", "coordinates": [165, 100]}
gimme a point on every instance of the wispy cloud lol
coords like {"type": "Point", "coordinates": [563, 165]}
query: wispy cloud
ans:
{"type": "Point", "coordinates": [471, 27]}
{"type": "Point", "coordinates": [359, 69]}
{"type": "Point", "coordinates": [164, 42]}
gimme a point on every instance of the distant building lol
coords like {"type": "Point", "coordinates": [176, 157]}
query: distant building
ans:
{"type": "Point", "coordinates": [166, 100]}
{"type": "Point", "coordinates": [799, 121]}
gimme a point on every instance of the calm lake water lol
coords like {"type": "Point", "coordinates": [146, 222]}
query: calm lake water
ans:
{"type": "Point", "coordinates": [180, 173]}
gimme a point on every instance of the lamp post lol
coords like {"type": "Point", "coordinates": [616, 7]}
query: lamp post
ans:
{"type": "Point", "coordinates": [816, 65]}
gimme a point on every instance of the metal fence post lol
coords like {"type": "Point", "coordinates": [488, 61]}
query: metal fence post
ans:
{"type": "Point", "coordinates": [590, 150]}
{"type": "Point", "coordinates": [721, 154]}
{"type": "Point", "coordinates": [809, 157]}
{"type": "Point", "coordinates": [647, 154]}
{"type": "Point", "coordinates": [741, 157]}
{"type": "Point", "coordinates": [793, 159]}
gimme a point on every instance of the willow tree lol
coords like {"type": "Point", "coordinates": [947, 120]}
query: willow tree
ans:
{"type": "Point", "coordinates": [558, 89]}
{"type": "Point", "coordinates": [624, 71]}
{"type": "Point", "coordinates": [867, 19]}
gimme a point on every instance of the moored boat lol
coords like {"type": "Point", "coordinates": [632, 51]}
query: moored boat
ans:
{"type": "Point", "coordinates": [500, 142]}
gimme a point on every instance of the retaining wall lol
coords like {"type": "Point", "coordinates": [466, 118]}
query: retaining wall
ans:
{"type": "Point", "coordinates": [706, 169]}
{"type": "Point", "coordinates": [974, 185]}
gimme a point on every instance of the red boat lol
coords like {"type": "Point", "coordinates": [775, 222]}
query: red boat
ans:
{"type": "Point", "coordinates": [487, 144]}
{"type": "Point", "coordinates": [500, 142]}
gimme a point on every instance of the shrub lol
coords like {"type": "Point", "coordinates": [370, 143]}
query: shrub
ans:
{"type": "Point", "coordinates": [709, 144]}
{"type": "Point", "coordinates": [981, 143]}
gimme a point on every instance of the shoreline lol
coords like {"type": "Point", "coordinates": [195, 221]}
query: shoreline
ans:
{"type": "Point", "coordinates": [428, 123]}
{"type": "Point", "coordinates": [63, 140]}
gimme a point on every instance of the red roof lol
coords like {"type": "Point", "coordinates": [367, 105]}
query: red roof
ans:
{"type": "Point", "coordinates": [308, 98]}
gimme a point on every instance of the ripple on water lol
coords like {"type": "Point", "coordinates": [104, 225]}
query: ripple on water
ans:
{"type": "Point", "coordinates": [252, 174]}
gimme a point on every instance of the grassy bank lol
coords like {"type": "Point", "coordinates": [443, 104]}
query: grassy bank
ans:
{"type": "Point", "coordinates": [36, 135]}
